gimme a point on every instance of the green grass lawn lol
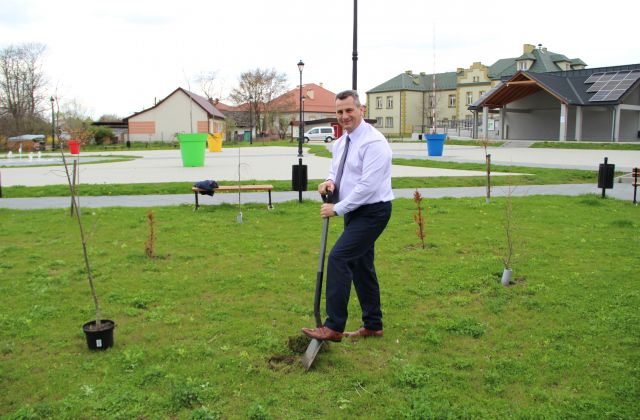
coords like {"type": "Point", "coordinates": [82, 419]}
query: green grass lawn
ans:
{"type": "Point", "coordinates": [582, 145]}
{"type": "Point", "coordinates": [202, 328]}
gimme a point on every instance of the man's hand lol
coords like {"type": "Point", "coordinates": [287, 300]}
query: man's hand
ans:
{"type": "Point", "coordinates": [326, 186]}
{"type": "Point", "coordinates": [326, 210]}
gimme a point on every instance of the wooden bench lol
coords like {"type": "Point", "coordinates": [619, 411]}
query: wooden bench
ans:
{"type": "Point", "coordinates": [235, 188]}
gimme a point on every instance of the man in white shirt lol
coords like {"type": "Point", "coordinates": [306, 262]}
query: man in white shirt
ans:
{"type": "Point", "coordinates": [360, 179]}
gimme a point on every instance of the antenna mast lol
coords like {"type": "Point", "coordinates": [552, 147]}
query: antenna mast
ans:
{"type": "Point", "coordinates": [433, 85]}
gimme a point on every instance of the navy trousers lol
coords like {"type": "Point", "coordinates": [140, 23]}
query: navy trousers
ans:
{"type": "Point", "coordinates": [352, 259]}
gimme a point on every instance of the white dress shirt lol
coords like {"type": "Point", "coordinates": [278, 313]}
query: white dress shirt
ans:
{"type": "Point", "coordinates": [366, 178]}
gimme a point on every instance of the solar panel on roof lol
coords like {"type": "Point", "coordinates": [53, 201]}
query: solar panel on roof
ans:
{"type": "Point", "coordinates": [593, 78]}
{"type": "Point", "coordinates": [619, 75]}
{"type": "Point", "coordinates": [599, 96]}
{"type": "Point", "coordinates": [611, 86]}
{"type": "Point", "coordinates": [596, 86]}
{"type": "Point", "coordinates": [625, 84]}
{"type": "Point", "coordinates": [615, 94]}
{"type": "Point", "coordinates": [634, 75]}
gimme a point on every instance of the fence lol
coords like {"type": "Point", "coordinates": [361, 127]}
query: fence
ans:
{"type": "Point", "coordinates": [458, 128]}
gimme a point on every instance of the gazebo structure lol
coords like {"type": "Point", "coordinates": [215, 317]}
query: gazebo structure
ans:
{"type": "Point", "coordinates": [600, 104]}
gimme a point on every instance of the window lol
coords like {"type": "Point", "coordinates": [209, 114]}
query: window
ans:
{"type": "Point", "coordinates": [522, 65]}
{"type": "Point", "coordinates": [432, 101]}
{"type": "Point", "coordinates": [481, 94]}
{"type": "Point", "coordinates": [379, 119]}
{"type": "Point", "coordinates": [378, 102]}
{"type": "Point", "coordinates": [476, 78]}
{"type": "Point", "coordinates": [452, 101]}
{"type": "Point", "coordinates": [469, 98]}
{"type": "Point", "coordinates": [389, 122]}
{"type": "Point", "coordinates": [389, 102]}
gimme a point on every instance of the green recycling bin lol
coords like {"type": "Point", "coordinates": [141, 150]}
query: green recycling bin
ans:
{"type": "Point", "coordinates": [192, 148]}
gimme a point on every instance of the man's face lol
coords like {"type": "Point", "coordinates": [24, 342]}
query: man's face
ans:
{"type": "Point", "coordinates": [348, 113]}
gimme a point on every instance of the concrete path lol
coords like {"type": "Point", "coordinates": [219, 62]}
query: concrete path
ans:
{"type": "Point", "coordinates": [546, 158]}
{"type": "Point", "coordinates": [259, 163]}
{"type": "Point", "coordinates": [274, 163]}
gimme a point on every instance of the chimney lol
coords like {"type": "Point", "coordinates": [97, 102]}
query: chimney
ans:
{"type": "Point", "coordinates": [321, 84]}
{"type": "Point", "coordinates": [409, 72]}
{"type": "Point", "coordinates": [528, 48]}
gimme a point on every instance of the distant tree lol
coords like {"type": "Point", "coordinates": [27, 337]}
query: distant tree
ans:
{"type": "Point", "coordinates": [283, 126]}
{"type": "Point", "coordinates": [258, 88]}
{"type": "Point", "coordinates": [22, 84]}
{"type": "Point", "coordinates": [75, 122]}
{"type": "Point", "coordinates": [109, 118]}
{"type": "Point", "coordinates": [210, 85]}
{"type": "Point", "coordinates": [230, 126]}
{"type": "Point", "coordinates": [101, 133]}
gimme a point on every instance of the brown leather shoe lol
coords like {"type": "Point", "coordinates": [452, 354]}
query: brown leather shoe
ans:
{"type": "Point", "coordinates": [323, 333]}
{"type": "Point", "coordinates": [363, 332]}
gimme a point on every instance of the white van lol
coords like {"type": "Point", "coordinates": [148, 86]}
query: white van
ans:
{"type": "Point", "coordinates": [320, 133]}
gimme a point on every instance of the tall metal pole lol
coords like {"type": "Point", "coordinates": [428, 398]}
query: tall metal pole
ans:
{"type": "Point", "coordinates": [250, 121]}
{"type": "Point", "coordinates": [300, 137]}
{"type": "Point", "coordinates": [354, 54]}
{"type": "Point", "coordinates": [53, 127]}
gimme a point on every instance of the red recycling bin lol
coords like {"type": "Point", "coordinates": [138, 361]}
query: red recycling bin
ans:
{"type": "Point", "coordinates": [74, 147]}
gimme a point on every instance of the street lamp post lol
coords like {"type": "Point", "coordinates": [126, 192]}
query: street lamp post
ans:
{"type": "Point", "coordinates": [250, 121]}
{"type": "Point", "coordinates": [299, 171]}
{"type": "Point", "coordinates": [354, 54]}
{"type": "Point", "coordinates": [53, 126]}
{"type": "Point", "coordinates": [301, 124]}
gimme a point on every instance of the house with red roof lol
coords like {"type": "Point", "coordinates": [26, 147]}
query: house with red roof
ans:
{"type": "Point", "coordinates": [318, 104]}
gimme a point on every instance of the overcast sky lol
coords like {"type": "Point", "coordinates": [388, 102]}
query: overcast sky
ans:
{"type": "Point", "coordinates": [116, 57]}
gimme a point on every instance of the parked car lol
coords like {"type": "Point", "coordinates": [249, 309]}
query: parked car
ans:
{"type": "Point", "coordinates": [320, 133]}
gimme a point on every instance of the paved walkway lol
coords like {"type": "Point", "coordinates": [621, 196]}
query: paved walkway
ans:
{"type": "Point", "coordinates": [620, 191]}
{"type": "Point", "coordinates": [274, 163]}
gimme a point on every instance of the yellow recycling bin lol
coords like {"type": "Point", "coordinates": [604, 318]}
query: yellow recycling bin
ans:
{"type": "Point", "coordinates": [215, 142]}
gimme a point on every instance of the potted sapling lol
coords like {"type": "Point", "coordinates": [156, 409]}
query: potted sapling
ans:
{"type": "Point", "coordinates": [98, 332]}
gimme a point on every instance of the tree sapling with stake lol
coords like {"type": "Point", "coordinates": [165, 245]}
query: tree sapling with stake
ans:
{"type": "Point", "coordinates": [418, 217]}
{"type": "Point", "coordinates": [149, 244]}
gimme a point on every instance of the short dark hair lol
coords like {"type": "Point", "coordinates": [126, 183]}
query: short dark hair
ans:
{"type": "Point", "coordinates": [349, 93]}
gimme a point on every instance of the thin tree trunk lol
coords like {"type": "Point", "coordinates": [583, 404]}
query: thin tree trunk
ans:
{"type": "Point", "coordinates": [488, 160]}
{"type": "Point", "coordinates": [74, 205]}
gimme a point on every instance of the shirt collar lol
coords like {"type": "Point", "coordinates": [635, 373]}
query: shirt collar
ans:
{"type": "Point", "coordinates": [355, 134]}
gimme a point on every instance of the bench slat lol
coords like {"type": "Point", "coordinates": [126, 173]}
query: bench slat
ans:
{"type": "Point", "coordinates": [237, 187]}
{"type": "Point", "coordinates": [261, 187]}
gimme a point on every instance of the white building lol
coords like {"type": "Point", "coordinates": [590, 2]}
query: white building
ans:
{"type": "Point", "coordinates": [180, 112]}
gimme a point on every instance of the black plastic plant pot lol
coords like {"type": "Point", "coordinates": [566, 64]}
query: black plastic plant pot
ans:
{"type": "Point", "coordinates": [102, 338]}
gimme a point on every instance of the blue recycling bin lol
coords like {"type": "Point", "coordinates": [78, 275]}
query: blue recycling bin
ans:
{"type": "Point", "coordinates": [435, 144]}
